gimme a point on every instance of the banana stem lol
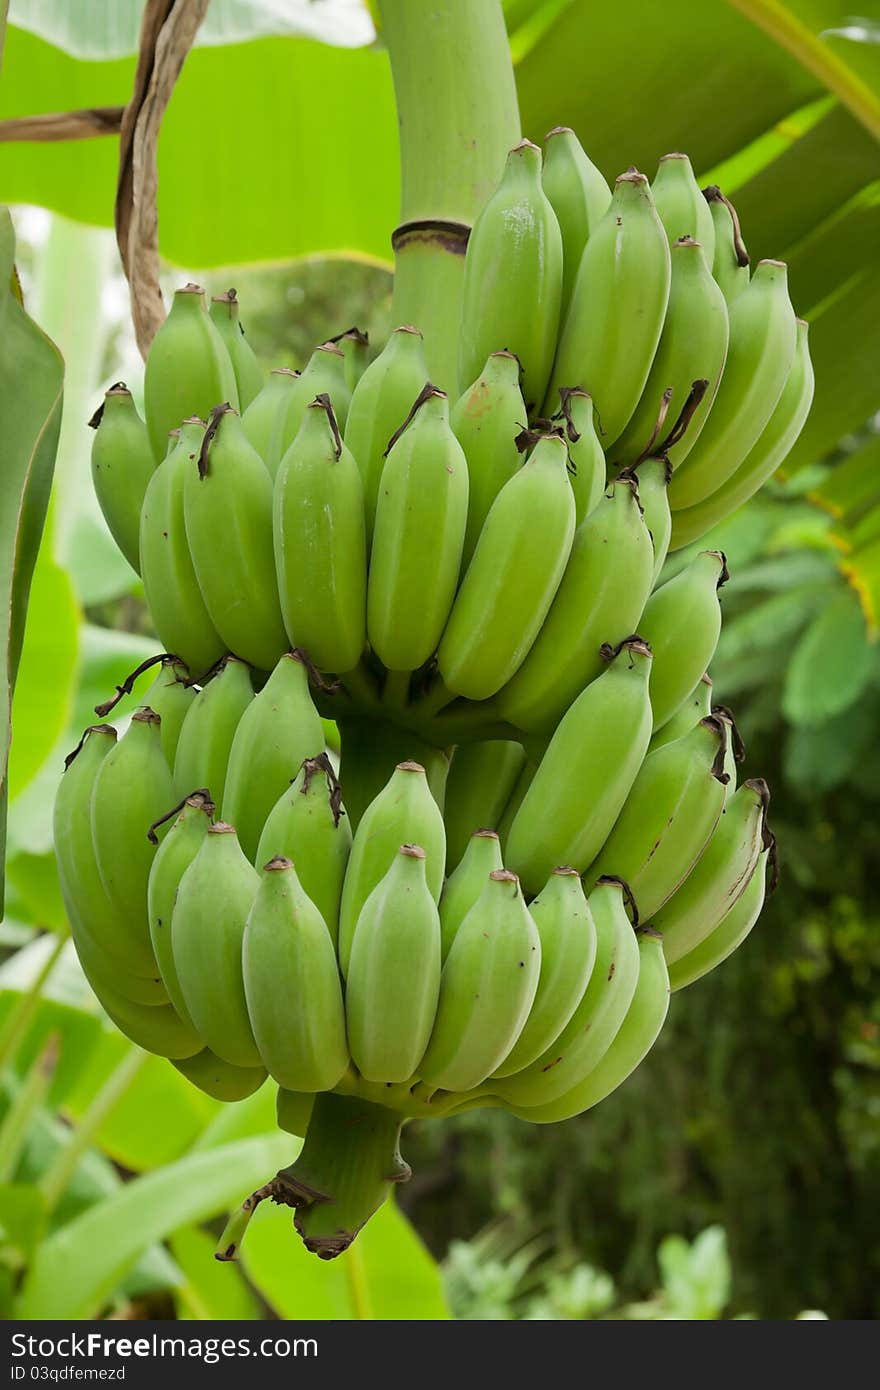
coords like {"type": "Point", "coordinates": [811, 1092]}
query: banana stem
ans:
{"type": "Point", "coordinates": [458, 117]}
{"type": "Point", "coordinates": [347, 1166]}
{"type": "Point", "coordinates": [395, 692]}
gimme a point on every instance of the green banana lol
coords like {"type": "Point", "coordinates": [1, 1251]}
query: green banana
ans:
{"type": "Point", "coordinates": [517, 796]}
{"type": "Point", "coordinates": [85, 897]}
{"type": "Point", "coordinates": [259, 420]}
{"type": "Point", "coordinates": [517, 567]}
{"type": "Point", "coordinates": [602, 1007]}
{"type": "Point", "coordinates": [487, 987]}
{"type": "Point", "coordinates": [170, 696]}
{"type": "Point", "coordinates": [418, 537]}
{"type": "Point", "coordinates": [246, 369]}
{"type": "Point", "coordinates": [108, 976]}
{"type": "Point", "coordinates": [617, 308]}
{"type": "Point", "coordinates": [487, 420]}
{"type": "Point", "coordinates": [763, 335]}
{"type": "Point", "coordinates": [692, 348]}
{"type": "Point", "coordinates": [404, 812]}
{"type": "Point", "coordinates": [681, 206]}
{"type": "Point", "coordinates": [291, 981]}
{"type": "Point", "coordinates": [132, 789]}
{"type": "Point", "coordinates": [228, 508]}
{"type": "Point", "coordinates": [355, 347]}
{"type": "Point", "coordinates": [481, 779]}
{"type": "Point", "coordinates": [188, 370]}
{"type": "Point", "coordinates": [765, 456]}
{"type": "Point", "coordinates": [586, 462]}
{"type": "Point", "coordinates": [320, 543]}
{"type": "Point", "coordinates": [279, 728]}
{"type": "Point", "coordinates": [636, 1036]}
{"type": "Point", "coordinates": [308, 824]}
{"type": "Point", "coordinates": [730, 932]}
{"type": "Point", "coordinates": [735, 753]}
{"type": "Point", "coordinates": [380, 403]}
{"type": "Point", "coordinates": [720, 875]}
{"type": "Point", "coordinates": [218, 1079]}
{"type": "Point", "coordinates": [696, 707]}
{"type": "Point", "coordinates": [578, 195]}
{"type": "Point", "coordinates": [597, 602]}
{"type": "Point", "coordinates": [730, 263]}
{"type": "Point", "coordinates": [671, 811]}
{"type": "Point", "coordinates": [652, 477]}
{"type": "Point", "coordinates": [585, 776]}
{"type": "Point", "coordinates": [173, 857]}
{"type": "Point", "coordinates": [465, 884]}
{"type": "Point", "coordinates": [209, 727]}
{"type": "Point", "coordinates": [213, 900]}
{"type": "Point", "coordinates": [682, 622]}
{"type": "Point", "coordinates": [513, 277]}
{"type": "Point", "coordinates": [156, 1028]}
{"type": "Point", "coordinates": [122, 466]}
{"type": "Point", "coordinates": [175, 600]}
{"type": "Point", "coordinates": [393, 977]}
{"type": "Point", "coordinates": [323, 375]}
{"type": "Point", "coordinates": [568, 954]}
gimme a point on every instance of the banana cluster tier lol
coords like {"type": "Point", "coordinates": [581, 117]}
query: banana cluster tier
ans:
{"type": "Point", "coordinates": [533, 826]}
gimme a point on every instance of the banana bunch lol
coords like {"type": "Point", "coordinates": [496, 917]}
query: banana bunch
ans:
{"type": "Point", "coordinates": [537, 828]}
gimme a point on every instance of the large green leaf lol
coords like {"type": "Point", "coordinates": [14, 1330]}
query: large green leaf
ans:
{"type": "Point", "coordinates": [31, 376]}
{"type": "Point", "coordinates": [79, 1265]}
{"type": "Point", "coordinates": [831, 664]}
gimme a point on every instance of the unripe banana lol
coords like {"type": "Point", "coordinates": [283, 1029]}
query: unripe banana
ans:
{"type": "Point", "coordinates": [517, 796]}
{"type": "Point", "coordinates": [586, 462]}
{"type": "Point", "coordinates": [279, 728]}
{"type": "Point", "coordinates": [261, 416]}
{"type": "Point", "coordinates": [320, 543]}
{"type": "Point", "coordinates": [578, 195]}
{"type": "Point", "coordinates": [418, 537]}
{"type": "Point", "coordinates": [652, 477]}
{"type": "Point", "coordinates": [568, 954]}
{"type": "Point", "coordinates": [155, 1028]}
{"type": "Point", "coordinates": [513, 277]}
{"type": "Point", "coordinates": [291, 980]}
{"type": "Point", "coordinates": [173, 857]}
{"type": "Point", "coordinates": [516, 569]}
{"type": "Point", "coordinates": [721, 874]}
{"type": "Point", "coordinates": [108, 976]}
{"type": "Point", "coordinates": [218, 1079]}
{"type": "Point", "coordinates": [774, 442]}
{"type": "Point", "coordinates": [597, 602]}
{"type": "Point", "coordinates": [617, 308]}
{"type": "Point", "coordinates": [682, 622]}
{"type": "Point", "coordinates": [404, 808]}
{"type": "Point", "coordinates": [172, 589]}
{"type": "Point", "coordinates": [209, 727]}
{"type": "Point", "coordinates": [246, 369]}
{"type": "Point", "coordinates": [730, 263]}
{"type": "Point", "coordinates": [681, 206]}
{"type": "Point", "coordinates": [188, 369]}
{"type": "Point", "coordinates": [486, 421]}
{"type": "Point", "coordinates": [393, 978]}
{"type": "Point", "coordinates": [354, 346]}
{"type": "Point", "coordinates": [85, 897]}
{"type": "Point", "coordinates": [132, 789]}
{"type": "Point", "coordinates": [487, 988]}
{"type": "Point", "coordinates": [735, 753]}
{"type": "Point", "coordinates": [589, 1032]}
{"type": "Point", "coordinates": [462, 888]}
{"type": "Point", "coordinates": [669, 815]}
{"type": "Point", "coordinates": [122, 466]}
{"type": "Point", "coordinates": [634, 1040]}
{"type": "Point", "coordinates": [730, 932]}
{"type": "Point", "coordinates": [688, 715]}
{"type": "Point", "coordinates": [308, 824]}
{"type": "Point", "coordinates": [170, 696]}
{"type": "Point", "coordinates": [763, 334]}
{"type": "Point", "coordinates": [481, 780]}
{"type": "Point", "coordinates": [692, 348]}
{"type": "Point", "coordinates": [228, 508]}
{"type": "Point", "coordinates": [213, 900]}
{"type": "Point", "coordinates": [323, 375]}
{"type": "Point", "coordinates": [380, 403]}
{"type": "Point", "coordinates": [585, 776]}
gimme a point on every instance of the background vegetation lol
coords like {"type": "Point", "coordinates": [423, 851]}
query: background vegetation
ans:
{"type": "Point", "coordinates": [756, 1121]}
